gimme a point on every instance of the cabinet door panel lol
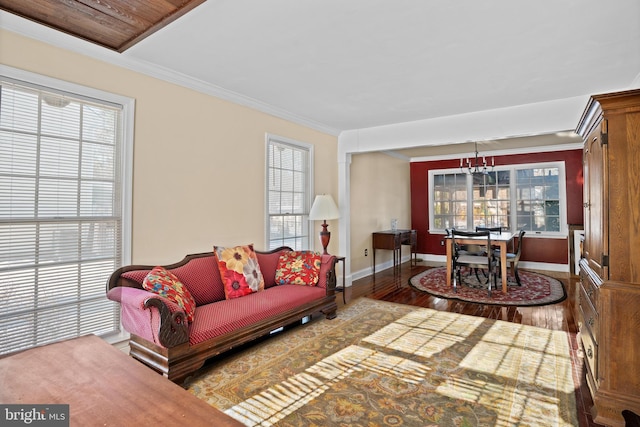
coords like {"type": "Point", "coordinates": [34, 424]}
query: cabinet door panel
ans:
{"type": "Point", "coordinates": [595, 176]}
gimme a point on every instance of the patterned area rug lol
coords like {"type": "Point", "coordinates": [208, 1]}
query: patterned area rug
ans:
{"type": "Point", "coordinates": [536, 289]}
{"type": "Point", "coordinates": [386, 364]}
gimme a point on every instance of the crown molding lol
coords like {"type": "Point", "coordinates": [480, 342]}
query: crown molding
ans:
{"type": "Point", "coordinates": [56, 38]}
{"type": "Point", "coordinates": [506, 152]}
{"type": "Point", "coordinates": [396, 155]}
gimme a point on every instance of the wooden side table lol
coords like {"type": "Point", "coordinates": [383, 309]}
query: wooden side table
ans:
{"type": "Point", "coordinates": [393, 240]}
{"type": "Point", "coordinates": [344, 272]}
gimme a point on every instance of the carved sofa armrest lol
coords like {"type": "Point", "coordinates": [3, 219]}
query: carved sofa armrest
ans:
{"type": "Point", "coordinates": [151, 316]}
{"type": "Point", "coordinates": [328, 273]}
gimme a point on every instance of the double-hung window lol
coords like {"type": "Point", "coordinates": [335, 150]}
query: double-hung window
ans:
{"type": "Point", "coordinates": [288, 192]}
{"type": "Point", "coordinates": [529, 197]}
{"type": "Point", "coordinates": [541, 208]}
{"type": "Point", "coordinates": [63, 198]}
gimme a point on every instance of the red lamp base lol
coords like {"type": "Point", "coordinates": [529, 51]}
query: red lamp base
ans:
{"type": "Point", "coordinates": [325, 236]}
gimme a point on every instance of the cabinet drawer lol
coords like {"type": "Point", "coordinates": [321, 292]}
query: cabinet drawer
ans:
{"type": "Point", "coordinates": [590, 349]}
{"type": "Point", "coordinates": [588, 314]}
{"type": "Point", "coordinates": [591, 290]}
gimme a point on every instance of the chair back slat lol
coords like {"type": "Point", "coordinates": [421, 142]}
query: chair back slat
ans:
{"type": "Point", "coordinates": [490, 229]}
{"type": "Point", "coordinates": [467, 234]}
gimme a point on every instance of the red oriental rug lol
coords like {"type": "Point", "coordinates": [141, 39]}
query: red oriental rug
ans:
{"type": "Point", "coordinates": [536, 289]}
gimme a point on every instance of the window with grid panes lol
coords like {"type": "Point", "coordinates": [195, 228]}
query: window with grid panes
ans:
{"type": "Point", "coordinates": [61, 211]}
{"type": "Point", "coordinates": [528, 197]}
{"type": "Point", "coordinates": [538, 195]}
{"type": "Point", "coordinates": [491, 199]}
{"type": "Point", "coordinates": [450, 201]}
{"type": "Point", "coordinates": [288, 192]}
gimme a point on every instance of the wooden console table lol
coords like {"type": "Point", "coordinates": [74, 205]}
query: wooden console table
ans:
{"type": "Point", "coordinates": [102, 386]}
{"type": "Point", "coordinates": [393, 240]}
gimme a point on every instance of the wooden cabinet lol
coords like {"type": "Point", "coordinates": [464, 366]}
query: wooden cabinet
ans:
{"type": "Point", "coordinates": [609, 295]}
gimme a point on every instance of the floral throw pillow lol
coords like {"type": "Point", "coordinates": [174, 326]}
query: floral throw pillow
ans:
{"type": "Point", "coordinates": [298, 268]}
{"type": "Point", "coordinates": [239, 270]}
{"type": "Point", "coordinates": [164, 283]}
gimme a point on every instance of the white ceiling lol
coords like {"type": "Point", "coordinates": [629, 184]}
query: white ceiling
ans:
{"type": "Point", "coordinates": [339, 65]}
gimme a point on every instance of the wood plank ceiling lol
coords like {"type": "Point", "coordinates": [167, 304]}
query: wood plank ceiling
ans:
{"type": "Point", "coordinates": [114, 24]}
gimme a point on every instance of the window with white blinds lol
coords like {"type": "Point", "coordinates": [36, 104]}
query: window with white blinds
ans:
{"type": "Point", "coordinates": [61, 214]}
{"type": "Point", "coordinates": [289, 186]}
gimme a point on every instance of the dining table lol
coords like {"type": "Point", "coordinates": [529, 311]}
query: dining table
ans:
{"type": "Point", "coordinates": [498, 241]}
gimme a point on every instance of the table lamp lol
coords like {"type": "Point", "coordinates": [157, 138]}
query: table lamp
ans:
{"type": "Point", "coordinates": [324, 208]}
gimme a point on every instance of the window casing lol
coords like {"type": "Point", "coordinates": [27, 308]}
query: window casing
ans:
{"type": "Point", "coordinates": [288, 192]}
{"type": "Point", "coordinates": [64, 208]}
{"type": "Point", "coordinates": [526, 196]}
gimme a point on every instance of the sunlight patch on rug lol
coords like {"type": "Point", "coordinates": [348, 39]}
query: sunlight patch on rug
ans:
{"type": "Point", "coordinates": [390, 364]}
{"type": "Point", "coordinates": [425, 333]}
{"type": "Point", "coordinates": [275, 403]}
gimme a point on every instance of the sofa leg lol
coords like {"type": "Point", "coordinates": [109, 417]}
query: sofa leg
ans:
{"type": "Point", "coordinates": [331, 314]}
{"type": "Point", "coordinates": [180, 380]}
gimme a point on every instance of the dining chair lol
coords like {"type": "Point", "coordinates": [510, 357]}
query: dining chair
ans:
{"type": "Point", "coordinates": [512, 257]}
{"type": "Point", "coordinates": [481, 249]}
{"type": "Point", "coordinates": [469, 250]}
{"type": "Point", "coordinates": [483, 261]}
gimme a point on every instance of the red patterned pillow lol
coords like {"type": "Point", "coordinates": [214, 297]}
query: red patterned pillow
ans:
{"type": "Point", "coordinates": [239, 270]}
{"type": "Point", "coordinates": [166, 284]}
{"type": "Point", "coordinates": [298, 268]}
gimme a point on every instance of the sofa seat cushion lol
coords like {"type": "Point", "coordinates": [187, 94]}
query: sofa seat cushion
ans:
{"type": "Point", "coordinates": [226, 316]}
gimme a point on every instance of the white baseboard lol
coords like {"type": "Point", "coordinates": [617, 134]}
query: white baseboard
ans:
{"type": "Point", "coordinates": [442, 260]}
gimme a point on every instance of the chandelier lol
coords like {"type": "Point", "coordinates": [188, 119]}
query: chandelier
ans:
{"type": "Point", "coordinates": [477, 167]}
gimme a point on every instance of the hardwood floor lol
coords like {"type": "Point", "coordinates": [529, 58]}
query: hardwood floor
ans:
{"type": "Point", "coordinates": [392, 287]}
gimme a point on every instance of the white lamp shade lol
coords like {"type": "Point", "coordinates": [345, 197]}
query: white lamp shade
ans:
{"type": "Point", "coordinates": [324, 208]}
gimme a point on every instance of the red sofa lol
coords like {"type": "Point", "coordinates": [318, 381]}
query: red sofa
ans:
{"type": "Point", "coordinates": [161, 337]}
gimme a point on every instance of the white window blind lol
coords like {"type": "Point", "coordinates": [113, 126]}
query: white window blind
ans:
{"type": "Point", "coordinates": [60, 214]}
{"type": "Point", "coordinates": [288, 193]}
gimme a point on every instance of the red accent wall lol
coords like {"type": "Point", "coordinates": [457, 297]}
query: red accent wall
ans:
{"type": "Point", "coordinates": [555, 251]}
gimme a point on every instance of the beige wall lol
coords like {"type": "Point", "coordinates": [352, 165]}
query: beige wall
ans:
{"type": "Point", "coordinates": [199, 161]}
{"type": "Point", "coordinates": [380, 191]}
